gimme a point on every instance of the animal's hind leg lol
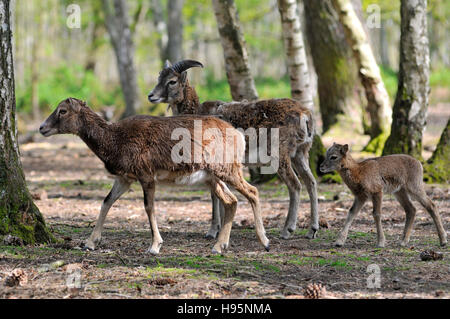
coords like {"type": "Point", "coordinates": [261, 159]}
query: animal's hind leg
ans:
{"type": "Point", "coordinates": [289, 177]}
{"type": "Point", "coordinates": [410, 210]}
{"type": "Point", "coordinates": [251, 193]}
{"type": "Point", "coordinates": [301, 163]}
{"type": "Point", "coordinates": [230, 203]}
{"type": "Point", "coordinates": [149, 195]}
{"type": "Point", "coordinates": [426, 202]}
{"type": "Point", "coordinates": [121, 185]}
{"type": "Point", "coordinates": [216, 218]}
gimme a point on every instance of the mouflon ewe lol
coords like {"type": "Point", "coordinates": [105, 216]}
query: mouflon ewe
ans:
{"type": "Point", "coordinates": [140, 148]}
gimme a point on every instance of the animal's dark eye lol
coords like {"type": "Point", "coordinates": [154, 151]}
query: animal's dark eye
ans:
{"type": "Point", "coordinates": [62, 112]}
{"type": "Point", "coordinates": [172, 82]}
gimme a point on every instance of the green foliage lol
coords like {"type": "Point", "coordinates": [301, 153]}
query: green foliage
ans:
{"type": "Point", "coordinates": [61, 82]}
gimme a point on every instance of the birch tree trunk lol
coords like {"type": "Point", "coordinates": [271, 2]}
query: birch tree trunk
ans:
{"type": "Point", "coordinates": [18, 214]}
{"type": "Point", "coordinates": [118, 26]}
{"type": "Point", "coordinates": [235, 52]}
{"type": "Point", "coordinates": [411, 102]}
{"type": "Point", "coordinates": [378, 105]}
{"type": "Point", "coordinates": [298, 70]}
{"type": "Point", "coordinates": [335, 67]}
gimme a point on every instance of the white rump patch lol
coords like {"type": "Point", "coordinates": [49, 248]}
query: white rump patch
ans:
{"type": "Point", "coordinates": [191, 179]}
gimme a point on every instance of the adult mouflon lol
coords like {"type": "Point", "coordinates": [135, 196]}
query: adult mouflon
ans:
{"type": "Point", "coordinates": [294, 122]}
{"type": "Point", "coordinates": [139, 148]}
{"type": "Point", "coordinates": [401, 175]}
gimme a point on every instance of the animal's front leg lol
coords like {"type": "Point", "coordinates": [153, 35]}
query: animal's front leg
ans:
{"type": "Point", "coordinates": [121, 185]}
{"type": "Point", "coordinates": [149, 195]}
{"type": "Point", "coordinates": [357, 205]}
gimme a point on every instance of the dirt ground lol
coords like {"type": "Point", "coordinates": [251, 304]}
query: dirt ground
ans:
{"type": "Point", "coordinates": [69, 184]}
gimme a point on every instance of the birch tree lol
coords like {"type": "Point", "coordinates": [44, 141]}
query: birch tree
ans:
{"type": "Point", "coordinates": [118, 26]}
{"type": "Point", "coordinates": [411, 102]}
{"type": "Point", "coordinates": [237, 65]}
{"type": "Point", "coordinates": [298, 69]}
{"type": "Point", "coordinates": [18, 214]}
{"type": "Point", "coordinates": [378, 105]}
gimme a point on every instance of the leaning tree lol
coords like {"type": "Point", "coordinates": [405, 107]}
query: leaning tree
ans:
{"type": "Point", "coordinates": [234, 47]}
{"type": "Point", "coordinates": [18, 214]}
{"type": "Point", "coordinates": [411, 102]}
{"type": "Point", "coordinates": [378, 105]}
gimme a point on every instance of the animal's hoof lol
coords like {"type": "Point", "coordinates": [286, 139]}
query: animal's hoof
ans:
{"type": "Point", "coordinates": [381, 245]}
{"type": "Point", "coordinates": [216, 252]}
{"type": "Point", "coordinates": [403, 244]}
{"type": "Point", "coordinates": [311, 234]}
{"type": "Point", "coordinates": [87, 246]}
{"type": "Point", "coordinates": [339, 244]}
{"type": "Point", "coordinates": [285, 234]}
{"type": "Point", "coordinates": [153, 251]}
{"type": "Point", "coordinates": [210, 236]}
{"type": "Point", "coordinates": [443, 244]}
{"type": "Point", "coordinates": [267, 248]}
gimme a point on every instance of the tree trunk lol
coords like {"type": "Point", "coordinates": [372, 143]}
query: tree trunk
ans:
{"type": "Point", "coordinates": [334, 65]}
{"type": "Point", "coordinates": [437, 168]}
{"type": "Point", "coordinates": [411, 102]}
{"type": "Point", "coordinates": [378, 105]}
{"type": "Point", "coordinates": [175, 30]}
{"type": "Point", "coordinates": [235, 52]}
{"type": "Point", "coordinates": [242, 85]}
{"type": "Point", "coordinates": [118, 26]}
{"type": "Point", "coordinates": [161, 28]}
{"type": "Point", "coordinates": [18, 215]}
{"type": "Point", "coordinates": [298, 70]}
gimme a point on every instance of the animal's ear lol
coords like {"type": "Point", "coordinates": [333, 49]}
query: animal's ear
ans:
{"type": "Point", "coordinates": [167, 64]}
{"type": "Point", "coordinates": [183, 77]}
{"type": "Point", "coordinates": [75, 104]}
{"type": "Point", "coordinates": [344, 149]}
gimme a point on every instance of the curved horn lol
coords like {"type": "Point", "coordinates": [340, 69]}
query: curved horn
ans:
{"type": "Point", "coordinates": [182, 66]}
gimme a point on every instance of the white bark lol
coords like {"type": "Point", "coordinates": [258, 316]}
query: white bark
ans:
{"type": "Point", "coordinates": [378, 103]}
{"type": "Point", "coordinates": [295, 52]}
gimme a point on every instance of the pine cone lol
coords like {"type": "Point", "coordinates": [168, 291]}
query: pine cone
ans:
{"type": "Point", "coordinates": [17, 277]}
{"type": "Point", "coordinates": [430, 255]}
{"type": "Point", "coordinates": [314, 291]}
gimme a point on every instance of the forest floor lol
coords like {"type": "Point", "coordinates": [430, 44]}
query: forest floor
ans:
{"type": "Point", "coordinates": [69, 184]}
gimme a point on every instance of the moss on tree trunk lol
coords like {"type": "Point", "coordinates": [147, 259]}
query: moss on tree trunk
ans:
{"type": "Point", "coordinates": [437, 168]}
{"type": "Point", "coordinates": [411, 102]}
{"type": "Point", "coordinates": [18, 214]}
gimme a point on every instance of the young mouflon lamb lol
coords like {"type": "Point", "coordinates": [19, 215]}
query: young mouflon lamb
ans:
{"type": "Point", "coordinates": [401, 175]}
{"type": "Point", "coordinates": [140, 148]}
{"type": "Point", "coordinates": [294, 122]}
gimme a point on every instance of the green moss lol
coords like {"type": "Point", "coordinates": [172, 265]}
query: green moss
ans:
{"type": "Point", "coordinates": [332, 178]}
{"type": "Point", "coordinates": [376, 145]}
{"type": "Point", "coordinates": [437, 168]}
